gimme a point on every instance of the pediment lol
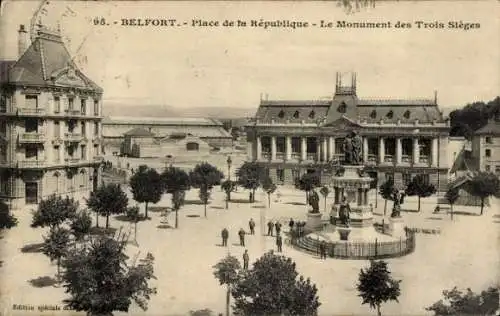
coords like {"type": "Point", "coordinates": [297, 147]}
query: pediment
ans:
{"type": "Point", "coordinates": [69, 76]}
{"type": "Point", "coordinates": [343, 123]}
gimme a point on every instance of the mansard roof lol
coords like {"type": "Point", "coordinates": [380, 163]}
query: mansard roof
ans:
{"type": "Point", "coordinates": [48, 62]}
{"type": "Point", "coordinates": [292, 111]}
{"type": "Point", "coordinates": [139, 132]}
{"type": "Point", "coordinates": [491, 128]}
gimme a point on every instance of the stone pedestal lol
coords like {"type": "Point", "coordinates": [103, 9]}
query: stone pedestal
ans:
{"type": "Point", "coordinates": [314, 221]}
{"type": "Point", "coordinates": [344, 232]}
{"type": "Point", "coordinates": [397, 227]}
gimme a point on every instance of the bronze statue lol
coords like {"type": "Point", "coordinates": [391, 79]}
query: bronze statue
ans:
{"type": "Point", "coordinates": [348, 150]}
{"type": "Point", "coordinates": [398, 199]}
{"type": "Point", "coordinates": [344, 210]}
{"type": "Point", "coordinates": [353, 145]}
{"type": "Point", "coordinates": [314, 201]}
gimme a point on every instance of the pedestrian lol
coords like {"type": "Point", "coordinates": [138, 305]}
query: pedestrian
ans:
{"type": "Point", "coordinates": [279, 242]}
{"type": "Point", "coordinates": [251, 225]}
{"type": "Point", "coordinates": [225, 236]}
{"type": "Point", "coordinates": [270, 226]}
{"type": "Point", "coordinates": [278, 196]}
{"type": "Point", "coordinates": [246, 259]}
{"type": "Point", "coordinates": [241, 233]}
{"type": "Point", "coordinates": [290, 224]}
{"type": "Point", "coordinates": [322, 250]}
{"type": "Point", "coordinates": [277, 226]}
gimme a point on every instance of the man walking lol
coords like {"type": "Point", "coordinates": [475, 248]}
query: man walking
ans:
{"type": "Point", "coordinates": [246, 259]}
{"type": "Point", "coordinates": [225, 236]}
{"type": "Point", "coordinates": [278, 227]}
{"type": "Point", "coordinates": [279, 242]}
{"type": "Point", "coordinates": [290, 224]}
{"type": "Point", "coordinates": [251, 225]}
{"type": "Point", "coordinates": [270, 226]}
{"type": "Point", "coordinates": [241, 233]}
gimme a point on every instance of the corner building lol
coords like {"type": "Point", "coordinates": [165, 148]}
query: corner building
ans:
{"type": "Point", "coordinates": [50, 124]}
{"type": "Point", "coordinates": [401, 138]}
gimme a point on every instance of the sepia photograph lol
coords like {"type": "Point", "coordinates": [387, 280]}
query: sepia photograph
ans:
{"type": "Point", "coordinates": [247, 158]}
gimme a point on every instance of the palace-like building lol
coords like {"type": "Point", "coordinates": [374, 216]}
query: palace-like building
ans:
{"type": "Point", "coordinates": [401, 138]}
{"type": "Point", "coordinates": [50, 123]}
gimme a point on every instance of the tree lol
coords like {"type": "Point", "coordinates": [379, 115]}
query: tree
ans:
{"type": "Point", "coordinates": [227, 272]}
{"type": "Point", "coordinates": [452, 196]}
{"type": "Point", "coordinates": [457, 302]}
{"type": "Point", "coordinates": [133, 215]}
{"type": "Point", "coordinates": [386, 190]}
{"type": "Point", "coordinates": [307, 183]}
{"type": "Point", "coordinates": [81, 224]}
{"type": "Point", "coordinates": [272, 288]}
{"type": "Point", "coordinates": [147, 186]}
{"type": "Point", "coordinates": [108, 199]}
{"type": "Point", "coordinates": [420, 187]}
{"type": "Point", "coordinates": [204, 176]}
{"type": "Point", "coordinates": [484, 185]}
{"type": "Point", "coordinates": [473, 116]}
{"type": "Point", "coordinates": [324, 191]}
{"type": "Point", "coordinates": [54, 211]}
{"type": "Point", "coordinates": [269, 187]}
{"type": "Point", "coordinates": [99, 280]}
{"type": "Point", "coordinates": [376, 286]}
{"type": "Point", "coordinates": [250, 176]}
{"type": "Point", "coordinates": [176, 182]}
{"type": "Point", "coordinates": [7, 220]}
{"type": "Point", "coordinates": [55, 245]}
{"type": "Point", "coordinates": [228, 186]}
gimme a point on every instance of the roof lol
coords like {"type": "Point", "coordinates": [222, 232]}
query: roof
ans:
{"type": "Point", "coordinates": [463, 161]}
{"type": "Point", "coordinates": [396, 102]}
{"type": "Point", "coordinates": [139, 132]}
{"type": "Point", "coordinates": [48, 62]}
{"type": "Point", "coordinates": [405, 114]}
{"type": "Point", "coordinates": [122, 120]}
{"type": "Point", "coordinates": [166, 130]}
{"type": "Point", "coordinates": [491, 128]}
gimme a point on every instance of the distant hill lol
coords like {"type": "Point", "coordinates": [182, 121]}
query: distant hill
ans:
{"type": "Point", "coordinates": [115, 109]}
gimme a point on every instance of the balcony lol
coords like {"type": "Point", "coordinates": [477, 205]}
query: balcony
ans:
{"type": "Point", "coordinates": [424, 159]}
{"type": "Point", "coordinates": [266, 155]}
{"type": "Point", "coordinates": [73, 137]}
{"type": "Point", "coordinates": [71, 161]}
{"type": "Point", "coordinates": [98, 159]}
{"type": "Point", "coordinates": [31, 111]}
{"type": "Point", "coordinates": [31, 138]}
{"type": "Point", "coordinates": [311, 156]}
{"type": "Point", "coordinates": [388, 158]}
{"type": "Point", "coordinates": [408, 159]}
{"type": "Point", "coordinates": [31, 164]}
{"type": "Point", "coordinates": [280, 156]}
{"type": "Point", "coordinates": [372, 159]}
{"type": "Point", "coordinates": [4, 163]}
{"type": "Point", "coordinates": [295, 155]}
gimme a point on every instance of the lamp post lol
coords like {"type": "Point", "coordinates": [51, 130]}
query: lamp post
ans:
{"type": "Point", "coordinates": [229, 162]}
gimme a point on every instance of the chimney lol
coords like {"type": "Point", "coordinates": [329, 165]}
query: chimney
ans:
{"type": "Point", "coordinates": [22, 41]}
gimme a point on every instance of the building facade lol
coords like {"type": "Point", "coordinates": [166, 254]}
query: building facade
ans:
{"type": "Point", "coordinates": [401, 138]}
{"type": "Point", "coordinates": [50, 124]}
{"type": "Point", "coordinates": [486, 147]}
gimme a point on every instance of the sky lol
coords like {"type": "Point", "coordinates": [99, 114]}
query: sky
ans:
{"type": "Point", "coordinates": [232, 67]}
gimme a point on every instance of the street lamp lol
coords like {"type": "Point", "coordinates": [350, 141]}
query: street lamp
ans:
{"type": "Point", "coordinates": [229, 162]}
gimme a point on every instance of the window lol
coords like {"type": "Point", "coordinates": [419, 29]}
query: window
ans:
{"type": "Point", "coordinates": [312, 114]}
{"type": "Point", "coordinates": [31, 125]}
{"type": "Point", "coordinates": [3, 103]}
{"type": "Point", "coordinates": [296, 114]}
{"type": "Point", "coordinates": [281, 114]}
{"type": "Point", "coordinates": [296, 143]}
{"type": "Point", "coordinates": [342, 107]}
{"type": "Point", "coordinates": [406, 178]}
{"type": "Point", "coordinates": [71, 126]}
{"type": "Point", "coordinates": [83, 129]}
{"type": "Point", "coordinates": [3, 152]}
{"type": "Point", "coordinates": [497, 170]}
{"type": "Point", "coordinates": [71, 151]}
{"type": "Point", "coordinates": [96, 128]}
{"type": "Point", "coordinates": [425, 177]}
{"type": "Point", "coordinates": [487, 152]}
{"type": "Point", "coordinates": [489, 140]}
{"type": "Point", "coordinates": [3, 127]}
{"type": "Point", "coordinates": [96, 150]}
{"type": "Point", "coordinates": [192, 146]}
{"type": "Point", "coordinates": [83, 152]}
{"type": "Point", "coordinates": [295, 175]}
{"type": "Point", "coordinates": [96, 107]}
{"type": "Point", "coordinates": [31, 152]}
{"type": "Point", "coordinates": [83, 107]}
{"type": "Point", "coordinates": [57, 104]}
{"type": "Point", "coordinates": [31, 101]}
{"type": "Point", "coordinates": [339, 145]}
{"type": "Point", "coordinates": [71, 103]}
{"type": "Point", "coordinates": [57, 129]}
{"type": "Point", "coordinates": [407, 114]}
{"type": "Point", "coordinates": [31, 192]}
{"type": "Point", "coordinates": [373, 114]}
{"type": "Point", "coordinates": [390, 114]}
{"type": "Point", "coordinates": [56, 153]}
{"type": "Point", "coordinates": [280, 175]}
{"type": "Point", "coordinates": [487, 168]}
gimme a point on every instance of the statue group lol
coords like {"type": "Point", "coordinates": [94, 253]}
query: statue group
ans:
{"type": "Point", "coordinates": [353, 147]}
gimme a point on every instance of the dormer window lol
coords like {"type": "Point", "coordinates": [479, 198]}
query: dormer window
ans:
{"type": "Point", "coordinates": [342, 107]}
{"type": "Point", "coordinates": [296, 114]}
{"type": "Point", "coordinates": [312, 114]}
{"type": "Point", "coordinates": [390, 114]}
{"type": "Point", "coordinates": [407, 114]}
{"type": "Point", "coordinates": [281, 114]}
{"type": "Point", "coordinates": [373, 114]}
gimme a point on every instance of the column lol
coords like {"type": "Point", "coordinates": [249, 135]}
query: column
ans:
{"type": "Point", "coordinates": [416, 150]}
{"type": "Point", "coordinates": [381, 150]}
{"type": "Point", "coordinates": [273, 148]}
{"type": "Point", "coordinates": [366, 197]}
{"type": "Point", "coordinates": [332, 147]}
{"type": "Point", "coordinates": [360, 196]}
{"type": "Point", "coordinates": [303, 148]}
{"type": "Point", "coordinates": [259, 148]}
{"type": "Point", "coordinates": [288, 155]}
{"type": "Point", "coordinates": [325, 149]}
{"type": "Point", "coordinates": [336, 195]}
{"type": "Point", "coordinates": [365, 149]}
{"type": "Point", "coordinates": [434, 152]}
{"type": "Point", "coordinates": [399, 150]}
{"type": "Point", "coordinates": [318, 148]}
{"type": "Point", "coordinates": [250, 151]}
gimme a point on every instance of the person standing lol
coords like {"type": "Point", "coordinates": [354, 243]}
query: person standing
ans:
{"type": "Point", "coordinates": [251, 225]}
{"type": "Point", "coordinates": [279, 242]}
{"type": "Point", "coordinates": [290, 224]}
{"type": "Point", "coordinates": [322, 250]}
{"type": "Point", "coordinates": [241, 233]}
{"type": "Point", "coordinates": [277, 227]}
{"type": "Point", "coordinates": [246, 259]}
{"type": "Point", "coordinates": [225, 236]}
{"type": "Point", "coordinates": [270, 226]}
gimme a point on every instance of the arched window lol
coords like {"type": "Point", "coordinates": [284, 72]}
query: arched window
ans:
{"type": "Point", "coordinates": [296, 114]}
{"type": "Point", "coordinates": [342, 107]}
{"type": "Point", "coordinates": [407, 114]}
{"type": "Point", "coordinates": [83, 176]}
{"type": "Point", "coordinates": [192, 146]}
{"type": "Point", "coordinates": [312, 114]}
{"type": "Point", "coordinates": [373, 114]}
{"type": "Point", "coordinates": [281, 114]}
{"type": "Point", "coordinates": [390, 114]}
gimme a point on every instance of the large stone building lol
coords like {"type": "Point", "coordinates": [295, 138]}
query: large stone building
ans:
{"type": "Point", "coordinates": [50, 123]}
{"type": "Point", "coordinates": [486, 147]}
{"type": "Point", "coordinates": [401, 138]}
{"type": "Point", "coordinates": [210, 131]}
